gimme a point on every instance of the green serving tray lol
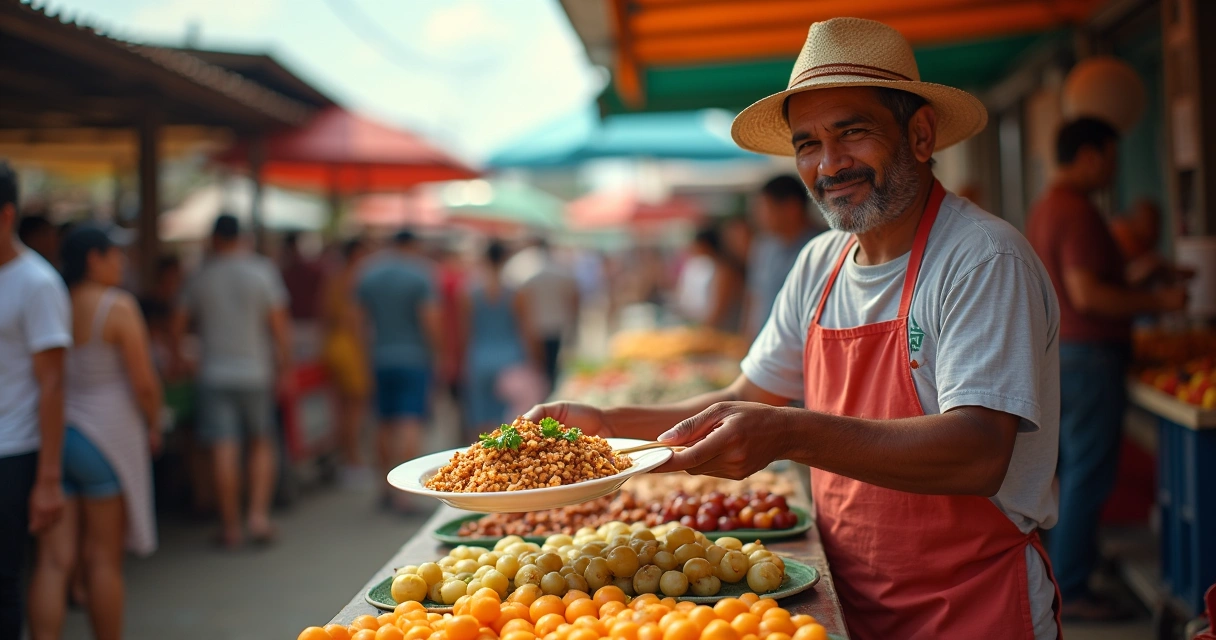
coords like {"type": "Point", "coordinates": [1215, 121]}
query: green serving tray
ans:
{"type": "Point", "coordinates": [798, 578]}
{"type": "Point", "coordinates": [447, 532]}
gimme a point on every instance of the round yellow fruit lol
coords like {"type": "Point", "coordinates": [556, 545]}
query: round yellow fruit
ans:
{"type": "Point", "coordinates": [409, 588]}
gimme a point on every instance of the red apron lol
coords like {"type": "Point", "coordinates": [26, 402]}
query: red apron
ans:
{"type": "Point", "coordinates": [908, 565]}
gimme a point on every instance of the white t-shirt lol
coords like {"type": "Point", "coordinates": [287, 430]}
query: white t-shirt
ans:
{"type": "Point", "coordinates": [694, 289]}
{"type": "Point", "coordinates": [35, 316]}
{"type": "Point", "coordinates": [983, 327]}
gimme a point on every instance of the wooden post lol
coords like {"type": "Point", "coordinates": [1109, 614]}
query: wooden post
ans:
{"type": "Point", "coordinates": [148, 247]}
{"type": "Point", "coordinates": [257, 155]}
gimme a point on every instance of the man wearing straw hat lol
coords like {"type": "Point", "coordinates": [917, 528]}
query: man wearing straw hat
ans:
{"type": "Point", "coordinates": [921, 335]}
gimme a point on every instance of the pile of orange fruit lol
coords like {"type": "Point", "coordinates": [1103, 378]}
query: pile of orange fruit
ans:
{"type": "Point", "coordinates": [529, 615]}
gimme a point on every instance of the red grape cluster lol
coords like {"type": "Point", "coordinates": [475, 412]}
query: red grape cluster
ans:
{"type": "Point", "coordinates": [717, 511]}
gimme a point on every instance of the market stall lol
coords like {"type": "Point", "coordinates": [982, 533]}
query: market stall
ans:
{"type": "Point", "coordinates": [771, 508]}
{"type": "Point", "coordinates": [820, 601]}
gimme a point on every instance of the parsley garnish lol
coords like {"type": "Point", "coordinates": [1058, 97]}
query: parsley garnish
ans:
{"type": "Point", "coordinates": [550, 428]}
{"type": "Point", "coordinates": [508, 438]}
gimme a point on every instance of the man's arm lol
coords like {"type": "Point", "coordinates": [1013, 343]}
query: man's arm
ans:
{"type": "Point", "coordinates": [280, 331]}
{"type": "Point", "coordinates": [1088, 294]}
{"type": "Point", "coordinates": [965, 451]}
{"type": "Point", "coordinates": [646, 423]}
{"type": "Point", "coordinates": [46, 500]}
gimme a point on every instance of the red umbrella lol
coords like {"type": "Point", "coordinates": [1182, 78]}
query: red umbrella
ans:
{"type": "Point", "coordinates": [344, 153]}
{"type": "Point", "coordinates": [626, 209]}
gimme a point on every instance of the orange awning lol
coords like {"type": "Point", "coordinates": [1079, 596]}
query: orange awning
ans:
{"type": "Point", "coordinates": [657, 33]}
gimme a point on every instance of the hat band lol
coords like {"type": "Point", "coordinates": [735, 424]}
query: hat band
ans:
{"type": "Point", "coordinates": [846, 69]}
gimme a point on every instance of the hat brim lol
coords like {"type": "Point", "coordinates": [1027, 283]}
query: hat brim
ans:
{"type": "Point", "coordinates": [762, 127]}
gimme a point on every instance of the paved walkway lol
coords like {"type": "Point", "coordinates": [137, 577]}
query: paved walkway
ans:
{"type": "Point", "coordinates": [331, 543]}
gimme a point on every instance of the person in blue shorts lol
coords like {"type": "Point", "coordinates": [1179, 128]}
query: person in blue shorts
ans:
{"type": "Point", "coordinates": [398, 295]}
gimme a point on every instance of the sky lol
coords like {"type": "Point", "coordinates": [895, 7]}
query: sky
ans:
{"type": "Point", "coordinates": [472, 75]}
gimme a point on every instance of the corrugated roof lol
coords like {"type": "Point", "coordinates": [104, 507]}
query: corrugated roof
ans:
{"type": "Point", "coordinates": [228, 84]}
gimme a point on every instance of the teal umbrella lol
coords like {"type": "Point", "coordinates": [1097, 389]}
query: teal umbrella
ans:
{"type": "Point", "coordinates": [500, 201]}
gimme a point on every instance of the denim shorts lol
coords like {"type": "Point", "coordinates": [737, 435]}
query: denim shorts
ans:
{"type": "Point", "coordinates": [402, 392]}
{"type": "Point", "coordinates": [227, 414]}
{"type": "Point", "coordinates": [86, 472]}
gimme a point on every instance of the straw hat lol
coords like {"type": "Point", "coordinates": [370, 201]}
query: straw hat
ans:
{"type": "Point", "coordinates": [851, 52]}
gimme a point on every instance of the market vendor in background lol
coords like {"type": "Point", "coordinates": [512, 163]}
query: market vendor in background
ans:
{"type": "Point", "coordinates": [785, 227]}
{"type": "Point", "coordinates": [1097, 305]}
{"type": "Point", "coordinates": [921, 334]}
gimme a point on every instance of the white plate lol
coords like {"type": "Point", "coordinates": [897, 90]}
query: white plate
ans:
{"type": "Point", "coordinates": [411, 477]}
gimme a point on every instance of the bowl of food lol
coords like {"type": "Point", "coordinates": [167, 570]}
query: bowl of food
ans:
{"type": "Point", "coordinates": [526, 466]}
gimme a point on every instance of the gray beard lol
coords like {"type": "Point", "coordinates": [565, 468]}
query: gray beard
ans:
{"type": "Point", "coordinates": [885, 203]}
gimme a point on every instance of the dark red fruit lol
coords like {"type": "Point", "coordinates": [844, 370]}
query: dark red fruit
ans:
{"type": "Point", "coordinates": [727, 524]}
{"type": "Point", "coordinates": [706, 522]}
{"type": "Point", "coordinates": [689, 522]}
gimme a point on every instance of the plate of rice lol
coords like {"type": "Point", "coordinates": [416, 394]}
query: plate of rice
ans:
{"type": "Point", "coordinates": [526, 466]}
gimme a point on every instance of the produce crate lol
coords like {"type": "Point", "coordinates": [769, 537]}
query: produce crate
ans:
{"type": "Point", "coordinates": [1186, 494]}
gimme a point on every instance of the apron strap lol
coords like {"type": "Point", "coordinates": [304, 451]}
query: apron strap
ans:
{"type": "Point", "coordinates": [936, 194]}
{"type": "Point", "coordinates": [827, 287]}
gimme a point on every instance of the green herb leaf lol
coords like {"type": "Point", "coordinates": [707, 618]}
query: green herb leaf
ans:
{"type": "Point", "coordinates": [510, 438]}
{"type": "Point", "coordinates": [572, 435]}
{"type": "Point", "coordinates": [488, 441]}
{"type": "Point", "coordinates": [550, 428]}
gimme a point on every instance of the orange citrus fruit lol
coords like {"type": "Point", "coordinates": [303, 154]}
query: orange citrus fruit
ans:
{"type": "Point", "coordinates": [749, 598]}
{"type": "Point", "coordinates": [485, 609]}
{"type": "Point", "coordinates": [609, 593]}
{"type": "Point", "coordinates": [672, 618]}
{"type": "Point", "coordinates": [583, 633]}
{"type": "Point", "coordinates": [728, 608]}
{"type": "Point", "coordinates": [314, 633]}
{"type": "Point", "coordinates": [460, 607]}
{"type": "Point", "coordinates": [801, 620]}
{"type": "Point", "coordinates": [763, 605]}
{"type": "Point", "coordinates": [511, 611]}
{"type": "Point", "coordinates": [408, 606]}
{"type": "Point", "coordinates": [364, 622]}
{"type": "Point", "coordinates": [650, 631]}
{"type": "Point", "coordinates": [746, 623]}
{"type": "Point", "coordinates": [389, 632]}
{"type": "Point", "coordinates": [337, 632]}
{"type": "Point", "coordinates": [611, 608]}
{"type": "Point", "coordinates": [519, 635]}
{"type": "Point", "coordinates": [668, 602]}
{"type": "Point", "coordinates": [516, 624]}
{"type": "Point", "coordinates": [769, 626]}
{"type": "Point", "coordinates": [386, 618]}
{"type": "Point", "coordinates": [719, 630]}
{"type": "Point", "coordinates": [364, 634]}
{"type": "Point", "coordinates": [462, 628]}
{"type": "Point", "coordinates": [684, 606]}
{"type": "Point", "coordinates": [750, 636]}
{"type": "Point", "coordinates": [580, 608]}
{"type": "Point", "coordinates": [646, 598]}
{"type": "Point", "coordinates": [702, 616]}
{"type": "Point", "coordinates": [548, 623]}
{"type": "Point", "coordinates": [486, 592]}
{"type": "Point", "coordinates": [545, 605]}
{"type": "Point", "coordinates": [624, 631]}
{"type": "Point", "coordinates": [526, 595]}
{"type": "Point", "coordinates": [682, 630]}
{"type": "Point", "coordinates": [777, 636]}
{"type": "Point", "coordinates": [418, 633]}
{"type": "Point", "coordinates": [813, 631]}
{"type": "Point", "coordinates": [574, 594]}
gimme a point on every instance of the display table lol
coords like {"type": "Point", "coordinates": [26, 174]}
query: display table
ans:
{"type": "Point", "coordinates": [820, 602]}
{"type": "Point", "coordinates": [1186, 492]}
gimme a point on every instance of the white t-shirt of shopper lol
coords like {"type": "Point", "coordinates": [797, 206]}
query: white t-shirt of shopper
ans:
{"type": "Point", "coordinates": [35, 316]}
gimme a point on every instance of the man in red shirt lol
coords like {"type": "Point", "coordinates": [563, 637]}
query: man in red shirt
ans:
{"type": "Point", "coordinates": [1096, 308]}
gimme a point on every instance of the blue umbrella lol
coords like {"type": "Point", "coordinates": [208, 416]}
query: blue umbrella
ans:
{"type": "Point", "coordinates": [689, 135]}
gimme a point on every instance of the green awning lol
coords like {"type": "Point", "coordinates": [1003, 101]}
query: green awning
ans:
{"type": "Point", "coordinates": [972, 65]}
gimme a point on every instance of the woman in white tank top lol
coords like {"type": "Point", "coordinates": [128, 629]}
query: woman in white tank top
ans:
{"type": "Point", "coordinates": [112, 406]}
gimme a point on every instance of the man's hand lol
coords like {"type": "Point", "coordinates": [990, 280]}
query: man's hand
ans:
{"type": "Point", "coordinates": [46, 504]}
{"type": "Point", "coordinates": [572, 414]}
{"type": "Point", "coordinates": [728, 440]}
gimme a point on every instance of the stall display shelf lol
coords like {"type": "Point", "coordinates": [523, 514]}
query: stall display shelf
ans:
{"type": "Point", "coordinates": [1186, 493]}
